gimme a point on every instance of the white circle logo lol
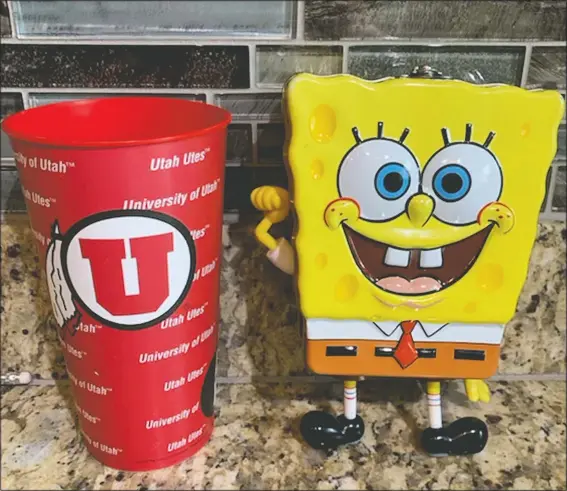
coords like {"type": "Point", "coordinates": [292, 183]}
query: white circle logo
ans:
{"type": "Point", "coordinates": [129, 269]}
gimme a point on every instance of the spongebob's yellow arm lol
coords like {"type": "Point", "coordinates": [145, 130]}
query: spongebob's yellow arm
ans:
{"type": "Point", "coordinates": [274, 202]}
{"type": "Point", "coordinates": [477, 390]}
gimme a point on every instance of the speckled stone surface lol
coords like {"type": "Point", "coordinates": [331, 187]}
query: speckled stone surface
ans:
{"type": "Point", "coordinates": [260, 332]}
{"type": "Point", "coordinates": [28, 332]}
{"type": "Point", "coordinates": [256, 444]}
{"type": "Point", "coordinates": [36, 65]}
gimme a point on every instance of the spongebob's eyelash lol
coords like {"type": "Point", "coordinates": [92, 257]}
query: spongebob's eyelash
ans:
{"type": "Point", "coordinates": [468, 135]}
{"type": "Point", "coordinates": [380, 133]}
{"type": "Point", "coordinates": [489, 138]}
{"type": "Point", "coordinates": [356, 135]}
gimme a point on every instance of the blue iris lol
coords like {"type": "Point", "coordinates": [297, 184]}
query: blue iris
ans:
{"type": "Point", "coordinates": [392, 181]}
{"type": "Point", "coordinates": [452, 182]}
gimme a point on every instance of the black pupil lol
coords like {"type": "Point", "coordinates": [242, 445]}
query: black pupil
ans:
{"type": "Point", "coordinates": [452, 183]}
{"type": "Point", "coordinates": [393, 182]}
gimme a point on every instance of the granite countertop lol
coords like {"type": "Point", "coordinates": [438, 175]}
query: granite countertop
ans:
{"type": "Point", "coordinates": [256, 445]}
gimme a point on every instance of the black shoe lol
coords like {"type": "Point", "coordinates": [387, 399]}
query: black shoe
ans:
{"type": "Point", "coordinates": [465, 436]}
{"type": "Point", "coordinates": [323, 431]}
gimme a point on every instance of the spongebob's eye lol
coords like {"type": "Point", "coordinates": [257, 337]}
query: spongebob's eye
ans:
{"type": "Point", "coordinates": [462, 178]}
{"type": "Point", "coordinates": [452, 182]}
{"type": "Point", "coordinates": [379, 174]}
{"type": "Point", "coordinates": [392, 181]}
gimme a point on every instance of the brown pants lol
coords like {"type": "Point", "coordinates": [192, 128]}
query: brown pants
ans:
{"type": "Point", "coordinates": [436, 360]}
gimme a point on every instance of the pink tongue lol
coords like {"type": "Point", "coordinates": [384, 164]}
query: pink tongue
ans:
{"type": "Point", "coordinates": [396, 284]}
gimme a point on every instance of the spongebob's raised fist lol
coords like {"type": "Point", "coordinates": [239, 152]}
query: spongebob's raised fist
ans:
{"type": "Point", "coordinates": [272, 200]}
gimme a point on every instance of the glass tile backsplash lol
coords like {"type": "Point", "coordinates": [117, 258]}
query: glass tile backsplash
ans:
{"type": "Point", "coordinates": [462, 19]}
{"type": "Point", "coordinates": [239, 144]}
{"type": "Point", "coordinates": [252, 18]}
{"type": "Point", "coordinates": [561, 144]}
{"type": "Point", "coordinates": [238, 54]}
{"type": "Point", "coordinates": [9, 103]}
{"type": "Point", "coordinates": [4, 19]}
{"type": "Point", "coordinates": [478, 65]}
{"type": "Point", "coordinates": [547, 66]}
{"type": "Point", "coordinates": [252, 107]}
{"type": "Point", "coordinates": [275, 64]}
{"type": "Point", "coordinates": [48, 65]}
{"type": "Point", "coordinates": [11, 198]}
{"type": "Point", "coordinates": [271, 139]}
{"type": "Point", "coordinates": [559, 194]}
{"type": "Point", "coordinates": [36, 99]}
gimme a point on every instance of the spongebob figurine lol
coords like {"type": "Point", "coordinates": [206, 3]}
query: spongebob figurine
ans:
{"type": "Point", "coordinates": [416, 202]}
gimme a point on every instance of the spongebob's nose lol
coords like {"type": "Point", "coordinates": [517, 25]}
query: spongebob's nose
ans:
{"type": "Point", "coordinates": [419, 209]}
{"type": "Point", "coordinates": [340, 211]}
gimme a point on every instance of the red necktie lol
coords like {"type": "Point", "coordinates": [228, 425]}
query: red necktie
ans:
{"type": "Point", "coordinates": [405, 352]}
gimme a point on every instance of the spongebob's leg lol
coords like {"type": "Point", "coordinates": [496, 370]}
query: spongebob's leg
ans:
{"type": "Point", "coordinates": [349, 398]}
{"type": "Point", "coordinates": [464, 436]}
{"type": "Point", "coordinates": [434, 404]}
{"type": "Point", "coordinates": [325, 431]}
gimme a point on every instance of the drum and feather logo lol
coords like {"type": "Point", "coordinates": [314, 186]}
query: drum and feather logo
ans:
{"type": "Point", "coordinates": [127, 269]}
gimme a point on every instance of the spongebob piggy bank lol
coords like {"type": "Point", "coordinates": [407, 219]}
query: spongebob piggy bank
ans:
{"type": "Point", "coordinates": [416, 203]}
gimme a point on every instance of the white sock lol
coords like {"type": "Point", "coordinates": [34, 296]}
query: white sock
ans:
{"type": "Point", "coordinates": [434, 405]}
{"type": "Point", "coordinates": [350, 402]}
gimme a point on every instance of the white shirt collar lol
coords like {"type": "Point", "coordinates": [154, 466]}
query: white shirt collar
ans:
{"type": "Point", "coordinates": [429, 328]}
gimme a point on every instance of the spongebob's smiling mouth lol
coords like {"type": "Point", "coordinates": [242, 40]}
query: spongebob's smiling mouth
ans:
{"type": "Point", "coordinates": [412, 272]}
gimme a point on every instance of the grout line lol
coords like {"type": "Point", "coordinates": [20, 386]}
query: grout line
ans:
{"type": "Point", "coordinates": [323, 379]}
{"type": "Point", "coordinates": [300, 20]}
{"type": "Point", "coordinates": [252, 65]}
{"type": "Point", "coordinates": [254, 130]}
{"type": "Point", "coordinates": [26, 99]}
{"type": "Point", "coordinates": [551, 191]}
{"type": "Point", "coordinates": [273, 40]}
{"type": "Point", "coordinates": [140, 90]}
{"type": "Point", "coordinates": [210, 98]}
{"type": "Point", "coordinates": [329, 379]}
{"type": "Point", "coordinates": [541, 377]}
{"type": "Point", "coordinates": [346, 54]}
{"type": "Point", "coordinates": [526, 67]}
{"type": "Point", "coordinates": [12, 19]}
{"type": "Point", "coordinates": [554, 216]}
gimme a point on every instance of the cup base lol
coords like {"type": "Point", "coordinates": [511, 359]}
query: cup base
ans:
{"type": "Point", "coordinates": [152, 465]}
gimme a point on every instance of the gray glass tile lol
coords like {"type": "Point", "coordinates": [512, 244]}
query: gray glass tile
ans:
{"type": "Point", "coordinates": [239, 144]}
{"type": "Point", "coordinates": [271, 139]}
{"type": "Point", "coordinates": [5, 30]}
{"type": "Point", "coordinates": [252, 107]}
{"type": "Point", "coordinates": [36, 99]}
{"type": "Point", "coordinates": [33, 65]}
{"type": "Point", "coordinates": [9, 103]}
{"type": "Point", "coordinates": [472, 64]}
{"type": "Point", "coordinates": [547, 66]}
{"type": "Point", "coordinates": [275, 64]}
{"type": "Point", "coordinates": [11, 198]}
{"type": "Point", "coordinates": [561, 135]}
{"type": "Point", "coordinates": [196, 18]}
{"type": "Point", "coordinates": [547, 183]}
{"type": "Point", "coordinates": [559, 193]}
{"type": "Point", "coordinates": [240, 181]}
{"type": "Point", "coordinates": [463, 19]}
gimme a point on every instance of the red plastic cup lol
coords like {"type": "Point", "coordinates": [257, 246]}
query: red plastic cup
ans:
{"type": "Point", "coordinates": [125, 198]}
